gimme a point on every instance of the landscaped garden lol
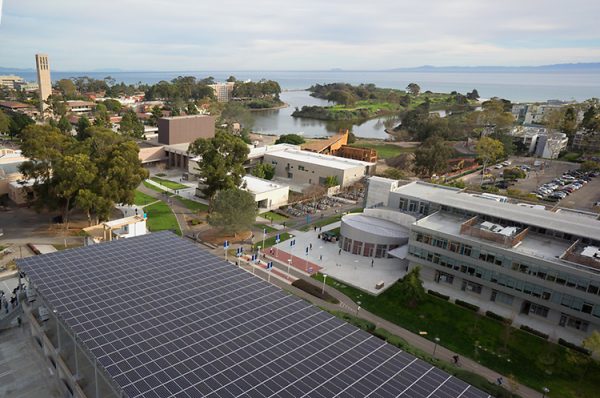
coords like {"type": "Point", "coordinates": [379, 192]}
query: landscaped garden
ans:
{"type": "Point", "coordinates": [168, 183]}
{"type": "Point", "coordinates": [160, 218]}
{"type": "Point", "coordinates": [532, 360]}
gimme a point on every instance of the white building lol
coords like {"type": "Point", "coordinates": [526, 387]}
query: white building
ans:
{"type": "Point", "coordinates": [303, 168]}
{"type": "Point", "coordinates": [223, 91]}
{"type": "Point", "coordinates": [10, 81]}
{"type": "Point", "coordinates": [268, 195]}
{"type": "Point", "coordinates": [121, 228]}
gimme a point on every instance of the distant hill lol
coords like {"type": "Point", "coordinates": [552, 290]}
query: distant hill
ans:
{"type": "Point", "coordinates": [577, 67]}
{"type": "Point", "coordinates": [15, 70]}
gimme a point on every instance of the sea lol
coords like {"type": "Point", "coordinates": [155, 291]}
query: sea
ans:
{"type": "Point", "coordinates": [515, 86]}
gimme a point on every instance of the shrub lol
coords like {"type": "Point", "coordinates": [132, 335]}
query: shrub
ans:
{"type": "Point", "coordinates": [497, 317]}
{"type": "Point", "coordinates": [573, 346]}
{"type": "Point", "coordinates": [315, 291]}
{"type": "Point", "coordinates": [469, 306]}
{"type": "Point", "coordinates": [439, 295]}
{"type": "Point", "coordinates": [534, 332]}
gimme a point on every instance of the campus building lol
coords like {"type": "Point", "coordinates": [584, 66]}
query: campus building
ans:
{"type": "Point", "coordinates": [10, 81]}
{"type": "Point", "coordinates": [539, 268]}
{"type": "Point", "coordinates": [155, 316]}
{"type": "Point", "coordinates": [301, 169]}
{"type": "Point", "coordinates": [44, 80]}
{"type": "Point", "coordinates": [185, 129]}
{"type": "Point", "coordinates": [223, 91]}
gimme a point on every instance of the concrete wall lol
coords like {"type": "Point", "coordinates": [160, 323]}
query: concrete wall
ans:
{"type": "Point", "coordinates": [183, 129]}
{"type": "Point", "coordinates": [274, 199]}
{"type": "Point", "coordinates": [152, 154]}
{"type": "Point", "coordinates": [378, 191]}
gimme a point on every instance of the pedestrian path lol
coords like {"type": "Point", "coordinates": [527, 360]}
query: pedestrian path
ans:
{"type": "Point", "coordinates": [297, 263]}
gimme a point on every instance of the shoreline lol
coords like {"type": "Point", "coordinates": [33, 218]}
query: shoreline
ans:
{"type": "Point", "coordinates": [284, 105]}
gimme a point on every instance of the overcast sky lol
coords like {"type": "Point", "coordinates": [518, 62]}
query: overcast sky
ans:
{"type": "Point", "coordinates": [297, 35]}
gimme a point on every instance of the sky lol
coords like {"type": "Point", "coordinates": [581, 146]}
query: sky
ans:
{"type": "Point", "coordinates": [183, 35]}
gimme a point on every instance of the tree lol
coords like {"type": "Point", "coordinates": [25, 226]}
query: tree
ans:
{"type": "Point", "coordinates": [569, 122]}
{"type": "Point", "coordinates": [130, 125]}
{"type": "Point", "coordinates": [394, 173]}
{"type": "Point", "coordinates": [331, 181]}
{"type": "Point", "coordinates": [231, 79]}
{"type": "Point", "coordinates": [234, 112]}
{"type": "Point", "coordinates": [293, 139]}
{"type": "Point", "coordinates": [413, 88]}
{"type": "Point", "coordinates": [513, 173]}
{"type": "Point", "coordinates": [432, 156]}
{"type": "Point", "coordinates": [489, 150]}
{"type": "Point", "coordinates": [222, 161]}
{"type": "Point", "coordinates": [18, 122]}
{"type": "Point", "coordinates": [156, 114]}
{"type": "Point", "coordinates": [64, 125]}
{"type": "Point", "coordinates": [67, 88]}
{"type": "Point", "coordinates": [233, 210]}
{"type": "Point", "coordinates": [411, 289]}
{"type": "Point", "coordinates": [591, 118]}
{"type": "Point", "coordinates": [473, 95]}
{"type": "Point", "coordinates": [507, 142]}
{"type": "Point", "coordinates": [589, 165]}
{"type": "Point", "coordinates": [82, 125]}
{"type": "Point", "coordinates": [101, 118]}
{"type": "Point", "coordinates": [191, 109]}
{"type": "Point", "coordinates": [4, 123]}
{"type": "Point", "coordinates": [264, 170]}
{"type": "Point", "coordinates": [112, 105]}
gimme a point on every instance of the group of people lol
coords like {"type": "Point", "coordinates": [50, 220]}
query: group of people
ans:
{"type": "Point", "coordinates": [8, 305]}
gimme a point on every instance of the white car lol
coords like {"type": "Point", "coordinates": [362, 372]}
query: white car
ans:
{"type": "Point", "coordinates": [498, 166]}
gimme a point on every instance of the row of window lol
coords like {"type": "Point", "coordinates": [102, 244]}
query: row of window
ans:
{"type": "Point", "coordinates": [366, 249]}
{"type": "Point", "coordinates": [531, 289]}
{"type": "Point", "coordinates": [559, 278]}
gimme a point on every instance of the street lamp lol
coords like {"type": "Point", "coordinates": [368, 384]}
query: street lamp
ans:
{"type": "Point", "coordinates": [436, 340]}
{"type": "Point", "coordinates": [289, 264]}
{"type": "Point", "coordinates": [324, 279]}
{"type": "Point", "coordinates": [545, 391]}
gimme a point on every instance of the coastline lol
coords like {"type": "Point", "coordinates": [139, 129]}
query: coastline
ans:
{"type": "Point", "coordinates": [284, 105]}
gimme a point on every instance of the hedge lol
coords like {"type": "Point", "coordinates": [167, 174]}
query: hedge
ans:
{"type": "Point", "coordinates": [314, 290]}
{"type": "Point", "coordinates": [535, 332]}
{"type": "Point", "coordinates": [573, 347]}
{"type": "Point", "coordinates": [439, 295]}
{"type": "Point", "coordinates": [497, 317]}
{"type": "Point", "coordinates": [469, 306]}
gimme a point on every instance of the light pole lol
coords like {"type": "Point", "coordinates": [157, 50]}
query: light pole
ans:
{"type": "Point", "coordinates": [324, 279]}
{"type": "Point", "coordinates": [436, 340]}
{"type": "Point", "coordinates": [289, 264]}
{"type": "Point", "coordinates": [545, 391]}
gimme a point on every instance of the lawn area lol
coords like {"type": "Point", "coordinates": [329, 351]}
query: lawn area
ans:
{"type": "Point", "coordinates": [321, 222]}
{"type": "Point", "coordinates": [262, 227]}
{"type": "Point", "coordinates": [570, 156]}
{"type": "Point", "coordinates": [271, 241]}
{"type": "Point", "coordinates": [160, 218]}
{"type": "Point", "coordinates": [276, 217]}
{"type": "Point", "coordinates": [384, 151]}
{"type": "Point", "coordinates": [155, 188]}
{"type": "Point", "coordinates": [532, 360]}
{"type": "Point", "coordinates": [192, 204]}
{"type": "Point", "coordinates": [365, 104]}
{"type": "Point", "coordinates": [168, 183]}
{"type": "Point", "coordinates": [141, 199]}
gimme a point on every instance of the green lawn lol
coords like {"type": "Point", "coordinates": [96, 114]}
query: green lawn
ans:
{"type": "Point", "coordinates": [271, 241]}
{"type": "Point", "coordinates": [321, 222]}
{"type": "Point", "coordinates": [168, 183]}
{"type": "Point", "coordinates": [384, 151]}
{"type": "Point", "coordinates": [262, 227]}
{"type": "Point", "coordinates": [371, 106]}
{"type": "Point", "coordinates": [276, 217]}
{"type": "Point", "coordinates": [192, 204]}
{"type": "Point", "coordinates": [160, 218]}
{"type": "Point", "coordinates": [532, 360]}
{"type": "Point", "coordinates": [141, 199]}
{"type": "Point", "coordinates": [155, 188]}
{"type": "Point", "coordinates": [570, 156]}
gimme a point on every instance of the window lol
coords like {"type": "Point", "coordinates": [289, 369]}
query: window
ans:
{"type": "Point", "coordinates": [466, 250]}
{"type": "Point", "coordinates": [402, 204]}
{"type": "Point", "coordinates": [347, 244]}
{"type": "Point", "coordinates": [469, 286]}
{"type": "Point", "coordinates": [300, 168]}
{"type": "Point", "coordinates": [357, 247]}
{"type": "Point", "coordinates": [454, 247]}
{"type": "Point", "coordinates": [412, 206]}
{"type": "Point", "coordinates": [369, 250]}
{"type": "Point", "coordinates": [502, 298]}
{"type": "Point", "coordinates": [443, 277]}
{"type": "Point", "coordinates": [587, 308]}
{"type": "Point", "coordinates": [539, 310]}
{"type": "Point", "coordinates": [381, 251]}
{"type": "Point", "coordinates": [572, 322]}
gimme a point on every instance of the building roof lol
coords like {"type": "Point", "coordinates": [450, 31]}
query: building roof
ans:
{"type": "Point", "coordinates": [14, 105]}
{"type": "Point", "coordinates": [375, 225]}
{"type": "Point", "coordinates": [257, 185]}
{"type": "Point", "coordinates": [73, 103]}
{"type": "Point", "coordinates": [320, 145]}
{"type": "Point", "coordinates": [333, 162]}
{"type": "Point", "coordinates": [257, 152]}
{"type": "Point", "coordinates": [184, 117]}
{"type": "Point", "coordinates": [178, 148]}
{"type": "Point", "coordinates": [164, 318]}
{"type": "Point", "coordinates": [568, 222]}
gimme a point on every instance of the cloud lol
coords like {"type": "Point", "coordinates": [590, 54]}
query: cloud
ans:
{"type": "Point", "coordinates": [307, 34]}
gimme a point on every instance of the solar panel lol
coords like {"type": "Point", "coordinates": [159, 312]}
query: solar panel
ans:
{"type": "Point", "coordinates": [167, 319]}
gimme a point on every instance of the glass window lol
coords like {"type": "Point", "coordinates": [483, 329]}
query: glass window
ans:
{"type": "Point", "coordinates": [471, 287]}
{"type": "Point", "coordinates": [357, 247]}
{"type": "Point", "coordinates": [443, 277]}
{"type": "Point", "coordinates": [369, 250]}
{"type": "Point", "coordinates": [502, 298]}
{"type": "Point", "coordinates": [381, 251]}
{"type": "Point", "coordinates": [347, 244]}
{"type": "Point", "coordinates": [539, 310]}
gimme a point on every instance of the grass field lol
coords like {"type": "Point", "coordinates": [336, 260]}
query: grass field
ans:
{"type": "Point", "coordinates": [155, 188]}
{"type": "Point", "coordinates": [271, 241]}
{"type": "Point", "coordinates": [532, 360]}
{"type": "Point", "coordinates": [141, 199]}
{"type": "Point", "coordinates": [276, 217]}
{"type": "Point", "coordinates": [263, 227]}
{"type": "Point", "coordinates": [384, 151]}
{"type": "Point", "coordinates": [160, 218]}
{"type": "Point", "coordinates": [168, 183]}
{"type": "Point", "coordinates": [371, 106]}
{"type": "Point", "coordinates": [192, 204]}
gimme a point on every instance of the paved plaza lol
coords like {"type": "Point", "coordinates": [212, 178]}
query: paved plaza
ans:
{"type": "Point", "coordinates": [353, 270]}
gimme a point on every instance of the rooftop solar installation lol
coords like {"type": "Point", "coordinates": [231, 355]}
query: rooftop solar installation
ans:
{"type": "Point", "coordinates": [165, 318]}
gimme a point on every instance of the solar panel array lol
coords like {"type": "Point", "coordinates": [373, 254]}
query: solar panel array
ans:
{"type": "Point", "coordinates": [167, 319]}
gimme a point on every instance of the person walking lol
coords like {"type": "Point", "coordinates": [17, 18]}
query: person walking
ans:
{"type": "Point", "coordinates": [372, 262]}
{"type": "Point", "coordinates": [340, 252]}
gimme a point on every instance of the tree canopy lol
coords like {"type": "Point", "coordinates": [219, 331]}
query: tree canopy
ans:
{"type": "Point", "coordinates": [4, 123]}
{"type": "Point", "coordinates": [130, 125]}
{"type": "Point", "coordinates": [432, 156]}
{"type": "Point", "coordinates": [222, 161]}
{"type": "Point", "coordinates": [411, 288]}
{"type": "Point", "coordinates": [413, 88]}
{"type": "Point", "coordinates": [489, 150]}
{"type": "Point", "coordinates": [264, 170]}
{"type": "Point", "coordinates": [293, 139]}
{"type": "Point", "coordinates": [233, 210]}
{"type": "Point", "coordinates": [92, 174]}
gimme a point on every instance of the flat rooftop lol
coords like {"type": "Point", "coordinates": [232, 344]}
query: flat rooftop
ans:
{"type": "Point", "coordinates": [453, 197]}
{"type": "Point", "coordinates": [260, 151]}
{"type": "Point", "coordinates": [165, 318]}
{"type": "Point", "coordinates": [258, 185]}
{"type": "Point", "coordinates": [375, 225]}
{"type": "Point", "coordinates": [536, 245]}
{"type": "Point", "coordinates": [333, 162]}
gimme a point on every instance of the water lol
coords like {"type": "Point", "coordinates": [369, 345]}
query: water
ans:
{"type": "Point", "coordinates": [515, 86]}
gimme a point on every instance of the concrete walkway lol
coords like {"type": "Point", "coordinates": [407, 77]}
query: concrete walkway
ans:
{"type": "Point", "coordinates": [348, 306]}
